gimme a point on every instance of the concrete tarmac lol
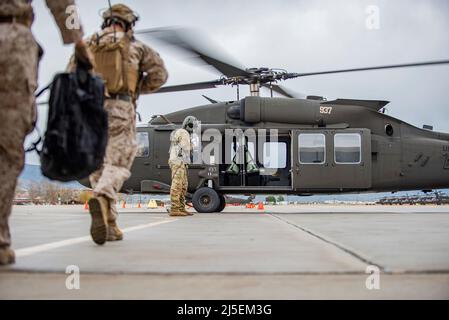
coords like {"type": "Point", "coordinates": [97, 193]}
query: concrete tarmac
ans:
{"type": "Point", "coordinates": [282, 252]}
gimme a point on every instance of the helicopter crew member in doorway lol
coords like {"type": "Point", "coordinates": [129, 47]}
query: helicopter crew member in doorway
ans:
{"type": "Point", "coordinates": [129, 68]}
{"type": "Point", "coordinates": [179, 159]}
{"type": "Point", "coordinates": [19, 59]}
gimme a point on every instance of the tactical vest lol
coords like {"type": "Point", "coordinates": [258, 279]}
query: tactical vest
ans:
{"type": "Point", "coordinates": [112, 63]}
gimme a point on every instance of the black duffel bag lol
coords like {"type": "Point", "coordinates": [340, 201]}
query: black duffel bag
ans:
{"type": "Point", "coordinates": [77, 127]}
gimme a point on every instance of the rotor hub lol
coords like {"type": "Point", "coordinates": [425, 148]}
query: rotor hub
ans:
{"type": "Point", "coordinates": [258, 76]}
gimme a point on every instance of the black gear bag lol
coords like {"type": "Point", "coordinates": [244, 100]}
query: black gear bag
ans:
{"type": "Point", "coordinates": [77, 127]}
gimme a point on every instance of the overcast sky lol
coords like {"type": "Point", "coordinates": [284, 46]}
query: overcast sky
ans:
{"type": "Point", "coordinates": [300, 36]}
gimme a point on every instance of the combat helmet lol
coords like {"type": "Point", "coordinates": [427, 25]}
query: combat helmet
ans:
{"type": "Point", "coordinates": [189, 123]}
{"type": "Point", "coordinates": [121, 12]}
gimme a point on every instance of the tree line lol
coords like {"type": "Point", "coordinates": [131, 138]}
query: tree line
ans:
{"type": "Point", "coordinates": [51, 193]}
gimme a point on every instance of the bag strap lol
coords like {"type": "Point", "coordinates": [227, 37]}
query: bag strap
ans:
{"type": "Point", "coordinates": [35, 144]}
{"type": "Point", "coordinates": [125, 61]}
{"type": "Point", "coordinates": [40, 92]}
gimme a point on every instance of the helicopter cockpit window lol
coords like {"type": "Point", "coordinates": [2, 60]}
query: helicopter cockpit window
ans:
{"type": "Point", "coordinates": [143, 144]}
{"type": "Point", "coordinates": [348, 148]}
{"type": "Point", "coordinates": [275, 155]}
{"type": "Point", "coordinates": [312, 148]}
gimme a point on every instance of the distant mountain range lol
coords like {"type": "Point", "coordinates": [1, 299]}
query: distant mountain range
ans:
{"type": "Point", "coordinates": [33, 174]}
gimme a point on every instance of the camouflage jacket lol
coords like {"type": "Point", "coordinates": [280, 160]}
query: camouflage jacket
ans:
{"type": "Point", "coordinates": [180, 147]}
{"type": "Point", "coordinates": [22, 9]}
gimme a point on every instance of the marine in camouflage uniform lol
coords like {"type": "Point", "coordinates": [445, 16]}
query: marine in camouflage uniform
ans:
{"type": "Point", "coordinates": [179, 159]}
{"type": "Point", "coordinates": [19, 58]}
{"type": "Point", "coordinates": [145, 73]}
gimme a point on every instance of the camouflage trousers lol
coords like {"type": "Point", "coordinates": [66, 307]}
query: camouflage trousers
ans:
{"type": "Point", "coordinates": [178, 187]}
{"type": "Point", "coordinates": [18, 81]}
{"type": "Point", "coordinates": [120, 153]}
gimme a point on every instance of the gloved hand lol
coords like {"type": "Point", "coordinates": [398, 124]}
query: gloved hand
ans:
{"type": "Point", "coordinates": [83, 56]}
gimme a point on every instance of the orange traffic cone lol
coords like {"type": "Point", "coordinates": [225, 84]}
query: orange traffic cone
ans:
{"type": "Point", "coordinates": [260, 206]}
{"type": "Point", "coordinates": [86, 206]}
{"type": "Point", "coordinates": [138, 205]}
{"type": "Point", "coordinates": [123, 204]}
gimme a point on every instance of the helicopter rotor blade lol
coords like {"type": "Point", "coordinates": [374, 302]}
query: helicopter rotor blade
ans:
{"type": "Point", "coordinates": [189, 40]}
{"type": "Point", "coordinates": [392, 66]}
{"type": "Point", "coordinates": [190, 86]}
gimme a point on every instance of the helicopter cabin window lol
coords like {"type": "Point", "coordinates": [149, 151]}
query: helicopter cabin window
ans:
{"type": "Point", "coordinates": [275, 155]}
{"type": "Point", "coordinates": [312, 148]}
{"type": "Point", "coordinates": [348, 148]}
{"type": "Point", "coordinates": [143, 145]}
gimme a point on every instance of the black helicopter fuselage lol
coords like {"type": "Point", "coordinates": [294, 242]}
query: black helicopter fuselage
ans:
{"type": "Point", "coordinates": [321, 147]}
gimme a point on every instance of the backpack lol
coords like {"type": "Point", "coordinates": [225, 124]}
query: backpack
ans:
{"type": "Point", "coordinates": [111, 55]}
{"type": "Point", "coordinates": [77, 127]}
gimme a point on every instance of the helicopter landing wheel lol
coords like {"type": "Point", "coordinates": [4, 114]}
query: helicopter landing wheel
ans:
{"type": "Point", "coordinates": [222, 205]}
{"type": "Point", "coordinates": [206, 200]}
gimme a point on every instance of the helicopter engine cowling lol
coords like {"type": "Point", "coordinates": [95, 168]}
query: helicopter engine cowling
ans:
{"type": "Point", "coordinates": [279, 110]}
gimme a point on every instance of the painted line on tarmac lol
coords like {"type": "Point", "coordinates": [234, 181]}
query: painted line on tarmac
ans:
{"type": "Point", "coordinates": [25, 252]}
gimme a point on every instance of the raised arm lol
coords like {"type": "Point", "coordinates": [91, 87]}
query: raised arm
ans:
{"type": "Point", "coordinates": [61, 12]}
{"type": "Point", "coordinates": [156, 74]}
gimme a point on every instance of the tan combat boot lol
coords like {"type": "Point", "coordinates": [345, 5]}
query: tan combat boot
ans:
{"type": "Point", "coordinates": [114, 233]}
{"type": "Point", "coordinates": [186, 212]}
{"type": "Point", "coordinates": [7, 256]}
{"type": "Point", "coordinates": [177, 213]}
{"type": "Point", "coordinates": [98, 208]}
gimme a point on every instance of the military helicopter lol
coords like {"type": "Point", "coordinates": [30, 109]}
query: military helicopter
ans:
{"type": "Point", "coordinates": [321, 147]}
